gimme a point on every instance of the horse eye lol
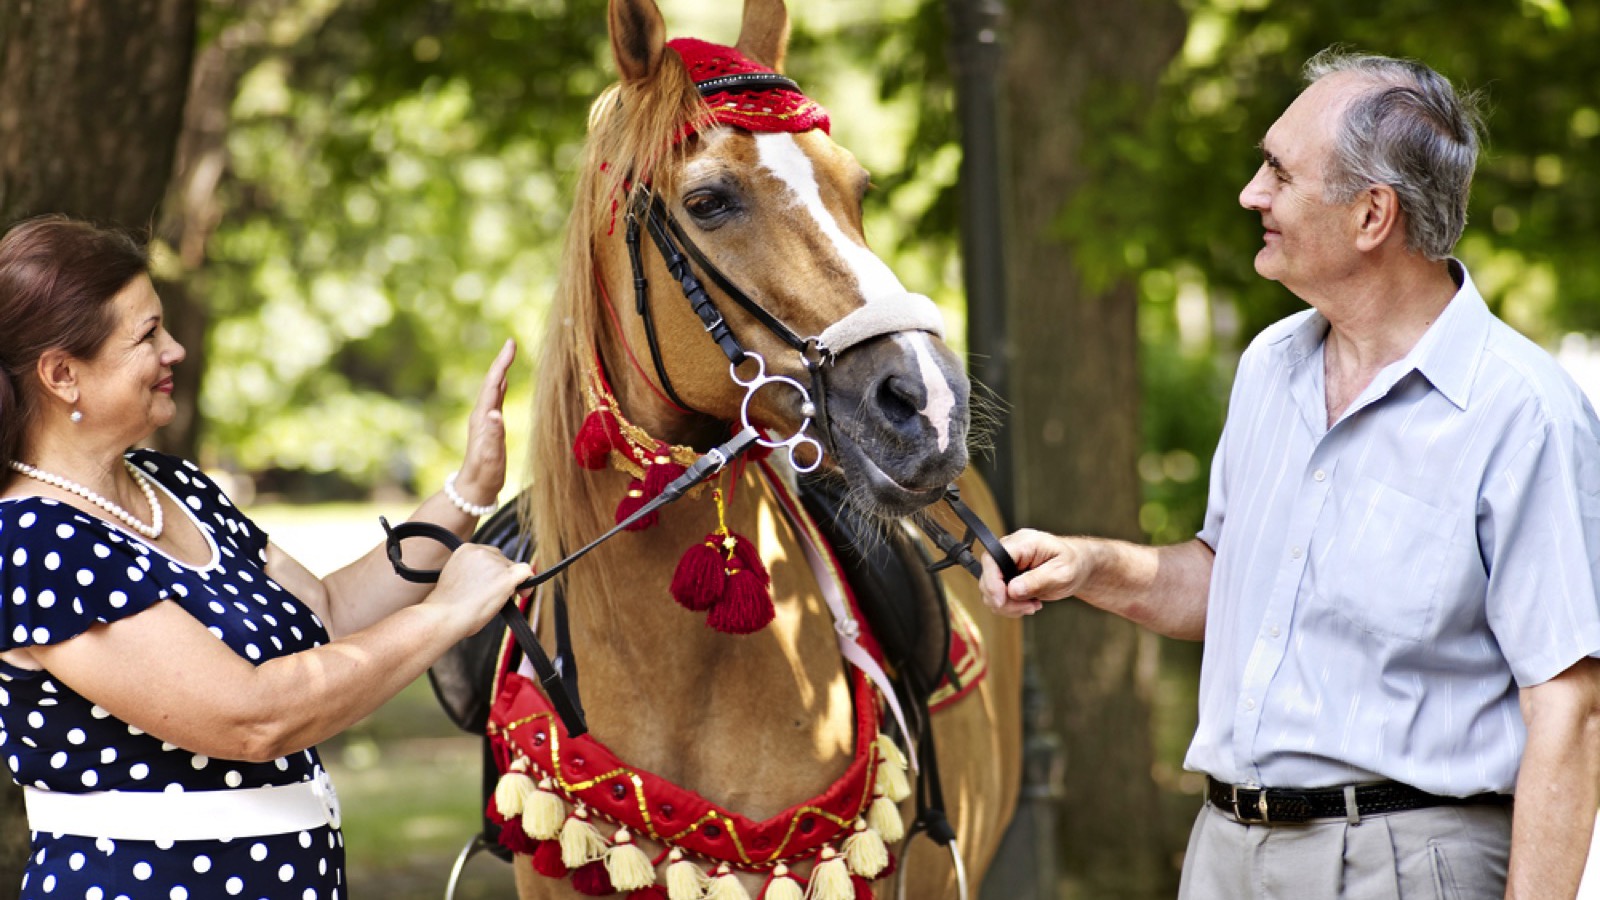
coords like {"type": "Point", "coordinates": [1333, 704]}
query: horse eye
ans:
{"type": "Point", "coordinates": [707, 204]}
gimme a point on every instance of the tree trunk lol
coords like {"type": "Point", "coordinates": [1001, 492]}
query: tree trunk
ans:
{"type": "Point", "coordinates": [91, 102]}
{"type": "Point", "coordinates": [1079, 71]}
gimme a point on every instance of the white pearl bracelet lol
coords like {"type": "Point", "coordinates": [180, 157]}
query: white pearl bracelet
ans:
{"type": "Point", "coordinates": [471, 509]}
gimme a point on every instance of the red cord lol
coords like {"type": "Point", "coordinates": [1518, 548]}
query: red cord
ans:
{"type": "Point", "coordinates": [617, 323]}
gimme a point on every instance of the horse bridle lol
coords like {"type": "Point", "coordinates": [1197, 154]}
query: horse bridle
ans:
{"type": "Point", "coordinates": [558, 677]}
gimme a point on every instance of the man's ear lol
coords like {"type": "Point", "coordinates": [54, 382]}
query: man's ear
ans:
{"type": "Point", "coordinates": [58, 375]}
{"type": "Point", "coordinates": [1377, 211]}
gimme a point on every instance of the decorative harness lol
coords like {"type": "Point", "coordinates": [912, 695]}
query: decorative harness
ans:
{"type": "Point", "coordinates": [558, 783]}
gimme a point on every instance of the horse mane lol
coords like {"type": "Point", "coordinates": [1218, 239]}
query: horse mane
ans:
{"type": "Point", "coordinates": [635, 128]}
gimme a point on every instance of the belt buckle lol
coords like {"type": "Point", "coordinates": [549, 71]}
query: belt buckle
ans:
{"type": "Point", "coordinates": [1243, 813]}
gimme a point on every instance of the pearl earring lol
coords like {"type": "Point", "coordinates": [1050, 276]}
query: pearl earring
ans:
{"type": "Point", "coordinates": [76, 417]}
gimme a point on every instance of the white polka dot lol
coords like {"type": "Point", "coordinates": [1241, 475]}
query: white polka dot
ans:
{"type": "Point", "coordinates": [135, 573]}
{"type": "Point", "coordinates": [199, 761]}
{"type": "Point", "coordinates": [165, 843]}
{"type": "Point", "coordinates": [47, 599]}
{"type": "Point", "coordinates": [305, 839]}
{"type": "Point", "coordinates": [52, 560]}
{"type": "Point", "coordinates": [142, 870]}
{"type": "Point", "coordinates": [282, 763]}
{"type": "Point", "coordinates": [76, 736]}
{"type": "Point", "coordinates": [41, 635]}
{"type": "Point", "coordinates": [202, 864]}
{"type": "Point", "coordinates": [194, 502]}
{"type": "Point", "coordinates": [90, 778]}
{"type": "Point", "coordinates": [19, 557]}
{"type": "Point", "coordinates": [49, 883]}
{"type": "Point", "coordinates": [108, 755]}
{"type": "Point", "coordinates": [138, 771]}
{"type": "Point", "coordinates": [310, 894]}
{"type": "Point", "coordinates": [216, 607]}
{"type": "Point", "coordinates": [135, 730]}
{"type": "Point", "coordinates": [144, 559]}
{"type": "Point", "coordinates": [285, 872]}
{"type": "Point", "coordinates": [102, 551]}
{"type": "Point", "coordinates": [75, 861]}
{"type": "Point", "coordinates": [105, 845]}
{"type": "Point", "coordinates": [215, 632]}
{"type": "Point", "coordinates": [85, 577]}
{"type": "Point", "coordinates": [258, 852]}
{"type": "Point", "coordinates": [65, 531]}
{"type": "Point", "coordinates": [36, 719]}
{"type": "Point", "coordinates": [117, 599]}
{"type": "Point", "coordinates": [19, 635]}
{"type": "Point", "coordinates": [19, 595]}
{"type": "Point", "coordinates": [98, 711]}
{"type": "Point", "coordinates": [58, 759]}
{"type": "Point", "coordinates": [233, 778]}
{"type": "Point", "coordinates": [252, 651]}
{"type": "Point", "coordinates": [94, 893]}
{"type": "Point", "coordinates": [180, 590]}
{"type": "Point", "coordinates": [235, 885]}
{"type": "Point", "coordinates": [179, 893]}
{"type": "Point", "coordinates": [27, 519]}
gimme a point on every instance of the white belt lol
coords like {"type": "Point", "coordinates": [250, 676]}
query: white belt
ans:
{"type": "Point", "coordinates": [186, 815]}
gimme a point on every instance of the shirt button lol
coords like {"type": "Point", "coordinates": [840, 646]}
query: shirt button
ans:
{"type": "Point", "coordinates": [1295, 553]}
{"type": "Point", "coordinates": [1275, 632]}
{"type": "Point", "coordinates": [1320, 475]}
{"type": "Point", "coordinates": [1249, 704]}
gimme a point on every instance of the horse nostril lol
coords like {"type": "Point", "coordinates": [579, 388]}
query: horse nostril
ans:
{"type": "Point", "coordinates": [898, 399]}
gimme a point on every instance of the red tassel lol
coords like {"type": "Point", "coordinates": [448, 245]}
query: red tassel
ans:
{"type": "Point", "coordinates": [661, 471]}
{"type": "Point", "coordinates": [863, 887]}
{"type": "Point", "coordinates": [547, 859]}
{"type": "Point", "coordinates": [653, 892]}
{"type": "Point", "coordinates": [702, 575]}
{"type": "Point", "coordinates": [746, 552]}
{"type": "Point", "coordinates": [513, 838]}
{"type": "Point", "coordinates": [596, 439]}
{"type": "Point", "coordinates": [592, 880]}
{"type": "Point", "coordinates": [631, 501]}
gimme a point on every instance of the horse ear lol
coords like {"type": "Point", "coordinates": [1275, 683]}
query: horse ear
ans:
{"type": "Point", "coordinates": [765, 34]}
{"type": "Point", "coordinates": [638, 37]}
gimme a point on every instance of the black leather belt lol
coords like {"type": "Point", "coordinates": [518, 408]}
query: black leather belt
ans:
{"type": "Point", "coordinates": [1272, 805]}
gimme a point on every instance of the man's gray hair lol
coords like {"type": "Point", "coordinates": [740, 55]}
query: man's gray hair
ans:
{"type": "Point", "coordinates": [1411, 131]}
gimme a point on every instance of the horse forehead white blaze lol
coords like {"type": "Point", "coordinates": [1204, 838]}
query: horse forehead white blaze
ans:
{"type": "Point", "coordinates": [781, 155]}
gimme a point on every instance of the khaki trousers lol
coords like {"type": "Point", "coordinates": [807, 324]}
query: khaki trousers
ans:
{"type": "Point", "coordinates": [1443, 853]}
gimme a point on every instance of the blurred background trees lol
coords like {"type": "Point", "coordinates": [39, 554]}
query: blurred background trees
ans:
{"type": "Point", "coordinates": [362, 198]}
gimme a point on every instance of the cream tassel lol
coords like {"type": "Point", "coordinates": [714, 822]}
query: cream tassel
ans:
{"type": "Point", "coordinates": [884, 817]}
{"type": "Point", "coordinates": [512, 789]}
{"type": "Point", "coordinates": [544, 812]}
{"type": "Point", "coordinates": [890, 751]}
{"type": "Point", "coordinates": [782, 886]}
{"type": "Point", "coordinates": [725, 886]}
{"type": "Point", "coordinates": [865, 853]}
{"type": "Point", "coordinates": [581, 843]}
{"type": "Point", "coordinates": [685, 881]}
{"type": "Point", "coordinates": [830, 880]}
{"type": "Point", "coordinates": [627, 865]}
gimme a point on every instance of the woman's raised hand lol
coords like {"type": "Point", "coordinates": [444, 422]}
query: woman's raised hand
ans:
{"type": "Point", "coordinates": [483, 470]}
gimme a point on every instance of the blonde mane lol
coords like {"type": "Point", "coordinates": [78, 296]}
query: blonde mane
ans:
{"type": "Point", "coordinates": [636, 130]}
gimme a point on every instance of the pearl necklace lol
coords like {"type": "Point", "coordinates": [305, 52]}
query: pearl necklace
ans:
{"type": "Point", "coordinates": [151, 531]}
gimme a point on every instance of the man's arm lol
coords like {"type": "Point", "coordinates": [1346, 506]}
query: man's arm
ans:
{"type": "Point", "coordinates": [1558, 785]}
{"type": "Point", "coordinates": [1162, 588]}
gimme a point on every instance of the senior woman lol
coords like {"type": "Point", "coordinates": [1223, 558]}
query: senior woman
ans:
{"type": "Point", "coordinates": [165, 669]}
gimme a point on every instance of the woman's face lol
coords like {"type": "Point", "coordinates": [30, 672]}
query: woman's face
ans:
{"type": "Point", "coordinates": [127, 386]}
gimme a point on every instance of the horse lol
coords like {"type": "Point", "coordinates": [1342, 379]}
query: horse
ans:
{"type": "Point", "coordinates": [742, 744]}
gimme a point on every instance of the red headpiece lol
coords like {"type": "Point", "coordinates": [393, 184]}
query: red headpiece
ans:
{"type": "Point", "coordinates": [745, 94]}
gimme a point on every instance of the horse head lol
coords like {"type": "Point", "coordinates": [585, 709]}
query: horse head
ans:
{"type": "Point", "coordinates": [708, 154]}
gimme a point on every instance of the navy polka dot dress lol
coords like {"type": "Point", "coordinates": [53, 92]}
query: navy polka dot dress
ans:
{"type": "Point", "coordinates": [61, 572]}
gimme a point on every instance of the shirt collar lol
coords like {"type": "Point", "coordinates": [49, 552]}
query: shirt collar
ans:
{"type": "Point", "coordinates": [1447, 354]}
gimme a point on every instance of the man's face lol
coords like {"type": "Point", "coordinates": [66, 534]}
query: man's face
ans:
{"type": "Point", "coordinates": [1309, 243]}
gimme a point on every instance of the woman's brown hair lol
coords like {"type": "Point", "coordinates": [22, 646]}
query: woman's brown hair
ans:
{"type": "Point", "coordinates": [57, 278]}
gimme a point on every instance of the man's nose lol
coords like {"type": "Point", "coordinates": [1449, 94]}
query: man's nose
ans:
{"type": "Point", "coordinates": [1254, 195]}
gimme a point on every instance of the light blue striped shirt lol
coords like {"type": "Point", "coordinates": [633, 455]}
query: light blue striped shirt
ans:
{"type": "Point", "coordinates": [1382, 588]}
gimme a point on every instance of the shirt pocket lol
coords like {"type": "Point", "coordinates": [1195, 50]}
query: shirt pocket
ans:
{"type": "Point", "coordinates": [1383, 561]}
